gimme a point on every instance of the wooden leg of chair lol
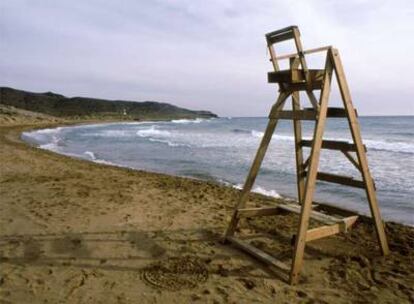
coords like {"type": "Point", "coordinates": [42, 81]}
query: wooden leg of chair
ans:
{"type": "Point", "coordinates": [251, 177]}
{"type": "Point", "coordinates": [306, 207]}
{"type": "Point", "coordinates": [297, 127]}
{"type": "Point", "coordinates": [362, 159]}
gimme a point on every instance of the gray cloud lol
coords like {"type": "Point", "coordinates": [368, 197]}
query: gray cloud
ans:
{"type": "Point", "coordinates": [202, 54]}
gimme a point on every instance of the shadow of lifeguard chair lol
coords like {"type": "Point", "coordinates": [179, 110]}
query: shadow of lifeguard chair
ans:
{"type": "Point", "coordinates": [291, 81]}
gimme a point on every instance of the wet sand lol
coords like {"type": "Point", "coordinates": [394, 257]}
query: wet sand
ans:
{"type": "Point", "coordinates": [73, 231]}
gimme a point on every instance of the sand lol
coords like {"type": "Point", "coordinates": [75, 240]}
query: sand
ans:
{"type": "Point", "coordinates": [73, 231]}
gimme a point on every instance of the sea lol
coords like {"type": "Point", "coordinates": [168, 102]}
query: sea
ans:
{"type": "Point", "coordinates": [222, 150]}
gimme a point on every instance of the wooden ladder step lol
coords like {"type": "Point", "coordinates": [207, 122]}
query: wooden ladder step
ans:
{"type": "Point", "coordinates": [294, 115]}
{"type": "Point", "coordinates": [339, 179]}
{"type": "Point", "coordinates": [324, 231]}
{"type": "Point", "coordinates": [295, 76]}
{"type": "Point", "coordinates": [316, 215]}
{"type": "Point", "coordinates": [295, 208]}
{"type": "Point", "coordinates": [280, 268]}
{"type": "Point", "coordinates": [307, 114]}
{"type": "Point", "coordinates": [294, 87]}
{"type": "Point", "coordinates": [332, 145]}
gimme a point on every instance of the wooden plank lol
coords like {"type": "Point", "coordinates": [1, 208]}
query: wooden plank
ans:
{"type": "Point", "coordinates": [305, 52]}
{"type": "Point", "coordinates": [321, 232]}
{"type": "Point", "coordinates": [336, 113]}
{"type": "Point", "coordinates": [307, 114]}
{"type": "Point", "coordinates": [280, 35]}
{"type": "Point", "coordinates": [348, 222]}
{"type": "Point", "coordinates": [352, 160]}
{"type": "Point", "coordinates": [294, 76]}
{"type": "Point", "coordinates": [282, 268]}
{"type": "Point", "coordinates": [331, 145]}
{"type": "Point", "coordinates": [297, 129]}
{"type": "Point", "coordinates": [324, 231]}
{"type": "Point", "coordinates": [299, 49]}
{"type": "Point", "coordinates": [291, 87]}
{"type": "Point", "coordinates": [362, 159]}
{"type": "Point", "coordinates": [251, 177]}
{"type": "Point", "coordinates": [305, 165]}
{"type": "Point", "coordinates": [272, 57]}
{"type": "Point", "coordinates": [300, 241]}
{"type": "Point", "coordinates": [295, 208]}
{"type": "Point", "coordinates": [317, 216]}
{"type": "Point", "coordinates": [295, 115]}
{"type": "Point", "coordinates": [340, 179]}
{"type": "Point", "coordinates": [281, 31]}
{"type": "Point", "coordinates": [313, 100]}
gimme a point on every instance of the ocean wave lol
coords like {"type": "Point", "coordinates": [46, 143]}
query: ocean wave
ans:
{"type": "Point", "coordinates": [92, 157]}
{"type": "Point", "coordinates": [377, 145]}
{"type": "Point", "coordinates": [188, 121]}
{"type": "Point", "coordinates": [168, 142]}
{"type": "Point", "coordinates": [153, 131]}
{"type": "Point", "coordinates": [260, 190]}
{"type": "Point", "coordinates": [90, 154]}
{"type": "Point", "coordinates": [109, 133]}
{"type": "Point", "coordinates": [47, 139]}
{"type": "Point", "coordinates": [259, 134]}
{"type": "Point", "coordinates": [243, 131]}
{"type": "Point", "coordinates": [399, 147]}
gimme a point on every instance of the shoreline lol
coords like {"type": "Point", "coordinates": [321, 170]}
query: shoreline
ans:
{"type": "Point", "coordinates": [88, 231]}
{"type": "Point", "coordinates": [215, 181]}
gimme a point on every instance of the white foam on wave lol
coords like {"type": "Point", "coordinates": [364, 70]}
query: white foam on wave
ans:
{"type": "Point", "coordinates": [90, 154]}
{"type": "Point", "coordinates": [260, 190]}
{"type": "Point", "coordinates": [92, 157]}
{"type": "Point", "coordinates": [153, 131]}
{"type": "Point", "coordinates": [47, 139]}
{"type": "Point", "coordinates": [379, 145]}
{"type": "Point", "coordinates": [109, 133]}
{"type": "Point", "coordinates": [168, 142]}
{"type": "Point", "coordinates": [400, 147]}
{"type": "Point", "coordinates": [188, 121]}
{"type": "Point", "coordinates": [259, 134]}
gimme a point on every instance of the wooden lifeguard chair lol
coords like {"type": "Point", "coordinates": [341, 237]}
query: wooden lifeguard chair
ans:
{"type": "Point", "coordinates": [291, 81]}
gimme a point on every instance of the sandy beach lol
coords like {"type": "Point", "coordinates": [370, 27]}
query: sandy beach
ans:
{"type": "Point", "coordinates": [73, 231]}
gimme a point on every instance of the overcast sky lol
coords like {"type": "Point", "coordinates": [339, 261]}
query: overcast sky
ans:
{"type": "Point", "coordinates": [207, 54]}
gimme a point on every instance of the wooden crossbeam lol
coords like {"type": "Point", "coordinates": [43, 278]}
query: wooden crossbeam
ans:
{"type": "Point", "coordinates": [316, 215]}
{"type": "Point", "coordinates": [293, 87]}
{"type": "Point", "coordinates": [339, 179]}
{"type": "Point", "coordinates": [295, 208]}
{"type": "Point", "coordinates": [352, 160]}
{"type": "Point", "coordinates": [295, 115]}
{"type": "Point", "coordinates": [331, 145]}
{"type": "Point", "coordinates": [324, 231]}
{"type": "Point", "coordinates": [294, 76]}
{"type": "Point", "coordinates": [305, 52]}
{"type": "Point", "coordinates": [306, 114]}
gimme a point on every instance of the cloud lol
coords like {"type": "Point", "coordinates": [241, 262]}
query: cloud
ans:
{"type": "Point", "coordinates": [201, 54]}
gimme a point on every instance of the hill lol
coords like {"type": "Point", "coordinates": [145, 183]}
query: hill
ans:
{"type": "Point", "coordinates": [84, 107]}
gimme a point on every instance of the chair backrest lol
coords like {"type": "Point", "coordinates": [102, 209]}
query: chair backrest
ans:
{"type": "Point", "coordinates": [291, 32]}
